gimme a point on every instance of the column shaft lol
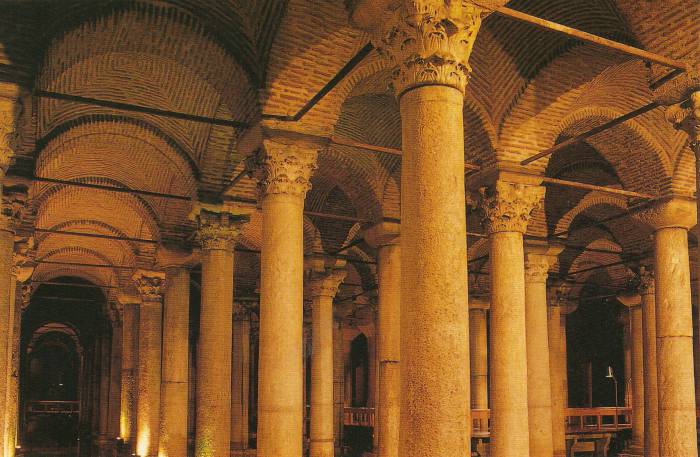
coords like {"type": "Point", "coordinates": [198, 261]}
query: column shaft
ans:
{"type": "Point", "coordinates": [149, 378]}
{"type": "Point", "coordinates": [104, 440]}
{"type": "Point", "coordinates": [636, 340]}
{"type": "Point", "coordinates": [240, 379]}
{"type": "Point", "coordinates": [280, 375]}
{"type": "Point", "coordinates": [174, 386]}
{"type": "Point", "coordinates": [557, 359]}
{"type": "Point", "coordinates": [389, 344]}
{"type": "Point", "coordinates": [6, 248]}
{"type": "Point", "coordinates": [435, 416]}
{"type": "Point", "coordinates": [674, 334]}
{"type": "Point", "coordinates": [651, 397]}
{"type": "Point", "coordinates": [12, 402]}
{"type": "Point", "coordinates": [338, 385]}
{"type": "Point", "coordinates": [539, 391]}
{"type": "Point", "coordinates": [127, 421]}
{"type": "Point", "coordinates": [479, 359]}
{"type": "Point", "coordinates": [213, 393]}
{"type": "Point", "coordinates": [321, 427]}
{"type": "Point", "coordinates": [509, 407]}
{"type": "Point", "coordinates": [115, 379]}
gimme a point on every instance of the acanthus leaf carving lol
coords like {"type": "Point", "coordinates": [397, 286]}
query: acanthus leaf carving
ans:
{"type": "Point", "coordinates": [217, 228]}
{"type": "Point", "coordinates": [285, 168]}
{"type": "Point", "coordinates": [506, 207]}
{"type": "Point", "coordinates": [150, 284]}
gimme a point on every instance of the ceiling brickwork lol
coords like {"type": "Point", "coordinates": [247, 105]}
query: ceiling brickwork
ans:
{"type": "Point", "coordinates": [246, 59]}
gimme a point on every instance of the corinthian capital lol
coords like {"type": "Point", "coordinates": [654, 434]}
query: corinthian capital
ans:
{"type": "Point", "coordinates": [326, 284]}
{"type": "Point", "coordinates": [218, 228]}
{"type": "Point", "coordinates": [429, 41]}
{"type": "Point", "coordinates": [646, 281]}
{"type": "Point", "coordinates": [285, 167]}
{"type": "Point", "coordinates": [687, 118]}
{"type": "Point", "coordinates": [10, 111]}
{"type": "Point", "coordinates": [506, 207]}
{"type": "Point", "coordinates": [538, 259]}
{"type": "Point", "coordinates": [14, 205]}
{"type": "Point", "coordinates": [150, 284]}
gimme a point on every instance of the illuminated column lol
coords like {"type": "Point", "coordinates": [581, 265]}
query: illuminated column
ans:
{"type": "Point", "coordinates": [240, 376]}
{"type": "Point", "coordinates": [506, 208]}
{"type": "Point", "coordinates": [115, 375]}
{"type": "Point", "coordinates": [127, 418]}
{"type": "Point", "coordinates": [651, 392]}
{"type": "Point", "coordinates": [219, 229]}
{"type": "Point", "coordinates": [671, 220]}
{"type": "Point", "coordinates": [384, 238]}
{"type": "Point", "coordinates": [539, 390]}
{"type": "Point", "coordinates": [286, 167]}
{"type": "Point", "coordinates": [636, 338]}
{"type": "Point", "coordinates": [150, 285]}
{"type": "Point", "coordinates": [479, 356]}
{"type": "Point", "coordinates": [174, 384]}
{"type": "Point", "coordinates": [430, 43]}
{"type": "Point", "coordinates": [322, 289]}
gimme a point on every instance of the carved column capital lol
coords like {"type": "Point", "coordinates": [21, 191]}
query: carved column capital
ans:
{"type": "Point", "coordinates": [14, 206]}
{"type": "Point", "coordinates": [150, 284]}
{"type": "Point", "coordinates": [10, 111]}
{"type": "Point", "coordinates": [647, 286]}
{"type": "Point", "coordinates": [217, 227]}
{"type": "Point", "coordinates": [285, 166]}
{"type": "Point", "coordinates": [26, 296]}
{"type": "Point", "coordinates": [429, 41]}
{"type": "Point", "coordinates": [22, 259]}
{"type": "Point", "coordinates": [538, 260]}
{"type": "Point", "coordinates": [326, 284]}
{"type": "Point", "coordinates": [687, 118]}
{"type": "Point", "coordinates": [506, 206]}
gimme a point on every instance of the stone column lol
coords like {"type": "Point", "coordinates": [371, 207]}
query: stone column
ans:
{"type": "Point", "coordinates": [284, 177]}
{"type": "Point", "coordinates": [174, 385]}
{"type": "Point", "coordinates": [104, 441]}
{"type": "Point", "coordinates": [338, 384]}
{"type": "Point", "coordinates": [556, 330]}
{"type": "Point", "coordinates": [633, 302]}
{"type": "Point", "coordinates": [130, 337]}
{"type": "Point", "coordinates": [651, 397]}
{"type": "Point", "coordinates": [384, 238]}
{"type": "Point", "coordinates": [479, 356]}
{"type": "Point", "coordinates": [219, 229]}
{"type": "Point", "coordinates": [506, 210]}
{"type": "Point", "coordinates": [671, 220]}
{"type": "Point", "coordinates": [627, 349]}
{"type": "Point", "coordinates": [240, 376]}
{"type": "Point", "coordinates": [151, 285]}
{"type": "Point", "coordinates": [322, 289]}
{"type": "Point", "coordinates": [430, 44]}
{"type": "Point", "coordinates": [539, 390]}
{"type": "Point", "coordinates": [115, 376]}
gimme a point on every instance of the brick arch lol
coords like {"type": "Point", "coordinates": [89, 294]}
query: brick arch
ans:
{"type": "Point", "coordinates": [590, 200]}
{"type": "Point", "coordinates": [78, 254]}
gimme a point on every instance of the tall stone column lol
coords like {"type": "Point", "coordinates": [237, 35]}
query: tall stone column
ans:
{"type": "Point", "coordinates": [539, 390]}
{"type": "Point", "coordinates": [322, 289]}
{"type": "Point", "coordinates": [651, 392]}
{"type": "Point", "coordinates": [479, 356]}
{"type": "Point", "coordinates": [430, 44]}
{"type": "Point", "coordinates": [556, 330]}
{"type": "Point", "coordinates": [636, 336]}
{"type": "Point", "coordinates": [104, 441]}
{"type": "Point", "coordinates": [671, 220]}
{"type": "Point", "coordinates": [150, 285]}
{"type": "Point", "coordinates": [174, 384]}
{"type": "Point", "coordinates": [506, 208]}
{"type": "Point", "coordinates": [384, 238]}
{"type": "Point", "coordinates": [115, 375]}
{"type": "Point", "coordinates": [338, 383]}
{"type": "Point", "coordinates": [240, 376]}
{"type": "Point", "coordinates": [130, 338]}
{"type": "Point", "coordinates": [287, 164]}
{"type": "Point", "coordinates": [219, 229]}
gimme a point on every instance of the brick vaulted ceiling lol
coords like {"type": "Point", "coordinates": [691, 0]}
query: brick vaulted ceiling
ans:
{"type": "Point", "coordinates": [238, 59]}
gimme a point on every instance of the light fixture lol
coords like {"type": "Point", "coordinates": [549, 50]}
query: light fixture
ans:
{"type": "Point", "coordinates": [610, 374]}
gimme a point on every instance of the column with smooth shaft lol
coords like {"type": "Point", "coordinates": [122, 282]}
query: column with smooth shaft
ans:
{"type": "Point", "coordinates": [651, 392]}
{"type": "Point", "coordinates": [556, 333]}
{"type": "Point", "coordinates": [479, 358]}
{"type": "Point", "coordinates": [115, 373]}
{"type": "Point", "coordinates": [538, 259]}
{"type": "Point", "coordinates": [385, 238]}
{"type": "Point", "coordinates": [632, 301]}
{"type": "Point", "coordinates": [219, 228]}
{"type": "Point", "coordinates": [670, 220]}
{"type": "Point", "coordinates": [506, 207]}
{"type": "Point", "coordinates": [175, 385]}
{"type": "Point", "coordinates": [151, 285]}
{"type": "Point", "coordinates": [130, 333]}
{"type": "Point", "coordinates": [286, 164]}
{"type": "Point", "coordinates": [323, 287]}
{"type": "Point", "coordinates": [430, 43]}
{"type": "Point", "coordinates": [104, 441]}
{"type": "Point", "coordinates": [240, 376]}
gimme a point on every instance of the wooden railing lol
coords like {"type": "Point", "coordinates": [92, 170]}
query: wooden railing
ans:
{"type": "Point", "coordinates": [578, 420]}
{"type": "Point", "coordinates": [53, 407]}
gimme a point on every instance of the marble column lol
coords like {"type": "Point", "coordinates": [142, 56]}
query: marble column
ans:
{"type": "Point", "coordinates": [219, 229]}
{"type": "Point", "coordinates": [479, 357]}
{"type": "Point", "coordinates": [150, 285]}
{"type": "Point", "coordinates": [322, 289]}
{"type": "Point", "coordinates": [430, 44]}
{"type": "Point", "coordinates": [174, 383]}
{"type": "Point", "coordinates": [538, 260]}
{"type": "Point", "coordinates": [556, 332]}
{"type": "Point", "coordinates": [651, 397]}
{"type": "Point", "coordinates": [104, 441]}
{"type": "Point", "coordinates": [636, 337]}
{"type": "Point", "coordinates": [115, 376]}
{"type": "Point", "coordinates": [384, 238]}
{"type": "Point", "coordinates": [338, 384]}
{"type": "Point", "coordinates": [506, 208]}
{"type": "Point", "coordinates": [671, 220]}
{"type": "Point", "coordinates": [130, 337]}
{"type": "Point", "coordinates": [240, 376]}
{"type": "Point", "coordinates": [284, 179]}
